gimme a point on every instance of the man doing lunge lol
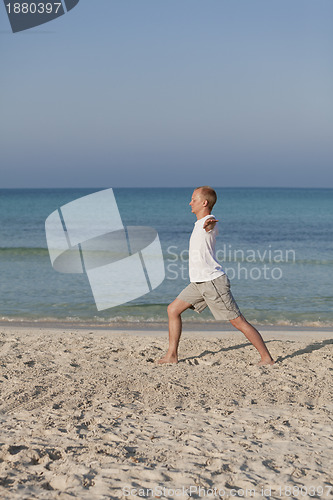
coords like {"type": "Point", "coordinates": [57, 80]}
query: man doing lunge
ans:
{"type": "Point", "coordinates": [209, 285]}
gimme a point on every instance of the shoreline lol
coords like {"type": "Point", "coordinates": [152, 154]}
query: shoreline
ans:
{"type": "Point", "coordinates": [151, 328]}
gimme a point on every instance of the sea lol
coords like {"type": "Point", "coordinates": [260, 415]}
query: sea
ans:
{"type": "Point", "coordinates": [275, 244]}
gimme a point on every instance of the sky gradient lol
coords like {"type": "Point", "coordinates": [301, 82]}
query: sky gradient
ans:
{"type": "Point", "coordinates": [170, 93]}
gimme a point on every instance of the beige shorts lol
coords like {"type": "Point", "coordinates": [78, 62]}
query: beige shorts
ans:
{"type": "Point", "coordinates": [215, 294]}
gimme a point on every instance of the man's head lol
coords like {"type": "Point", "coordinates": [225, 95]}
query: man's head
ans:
{"type": "Point", "coordinates": [203, 200]}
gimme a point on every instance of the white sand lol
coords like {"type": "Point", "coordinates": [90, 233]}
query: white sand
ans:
{"type": "Point", "coordinates": [89, 415]}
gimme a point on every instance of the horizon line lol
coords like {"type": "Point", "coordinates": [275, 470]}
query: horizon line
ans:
{"type": "Point", "coordinates": [167, 187]}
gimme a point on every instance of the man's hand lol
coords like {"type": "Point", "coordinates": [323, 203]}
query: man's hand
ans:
{"type": "Point", "coordinates": [210, 224]}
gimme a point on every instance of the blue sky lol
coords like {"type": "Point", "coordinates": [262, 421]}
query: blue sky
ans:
{"type": "Point", "coordinates": [170, 93]}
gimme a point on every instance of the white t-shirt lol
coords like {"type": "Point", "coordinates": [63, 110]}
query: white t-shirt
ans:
{"type": "Point", "coordinates": [203, 265]}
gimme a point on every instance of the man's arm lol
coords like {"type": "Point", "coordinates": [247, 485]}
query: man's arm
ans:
{"type": "Point", "coordinates": [210, 224]}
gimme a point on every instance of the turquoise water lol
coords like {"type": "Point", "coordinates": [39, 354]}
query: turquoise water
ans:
{"type": "Point", "coordinates": [275, 244]}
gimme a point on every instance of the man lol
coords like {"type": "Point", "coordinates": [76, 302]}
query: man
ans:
{"type": "Point", "coordinates": [209, 285]}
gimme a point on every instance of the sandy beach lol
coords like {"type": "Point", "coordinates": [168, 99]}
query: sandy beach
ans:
{"type": "Point", "coordinates": [88, 414]}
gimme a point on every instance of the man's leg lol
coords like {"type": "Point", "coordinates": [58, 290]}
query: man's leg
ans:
{"type": "Point", "coordinates": [254, 337]}
{"type": "Point", "coordinates": [175, 329]}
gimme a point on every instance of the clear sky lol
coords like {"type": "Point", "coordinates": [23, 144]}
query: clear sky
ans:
{"type": "Point", "coordinates": [170, 93]}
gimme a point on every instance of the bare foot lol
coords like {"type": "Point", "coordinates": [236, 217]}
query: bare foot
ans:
{"type": "Point", "coordinates": [168, 358]}
{"type": "Point", "coordinates": [264, 362]}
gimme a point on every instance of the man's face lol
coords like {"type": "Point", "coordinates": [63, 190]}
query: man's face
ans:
{"type": "Point", "coordinates": [197, 202]}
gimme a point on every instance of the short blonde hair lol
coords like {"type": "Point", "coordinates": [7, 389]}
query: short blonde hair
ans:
{"type": "Point", "coordinates": [209, 194]}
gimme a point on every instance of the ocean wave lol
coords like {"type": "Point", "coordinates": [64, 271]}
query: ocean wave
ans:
{"type": "Point", "coordinates": [142, 321]}
{"type": "Point", "coordinates": [181, 258]}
